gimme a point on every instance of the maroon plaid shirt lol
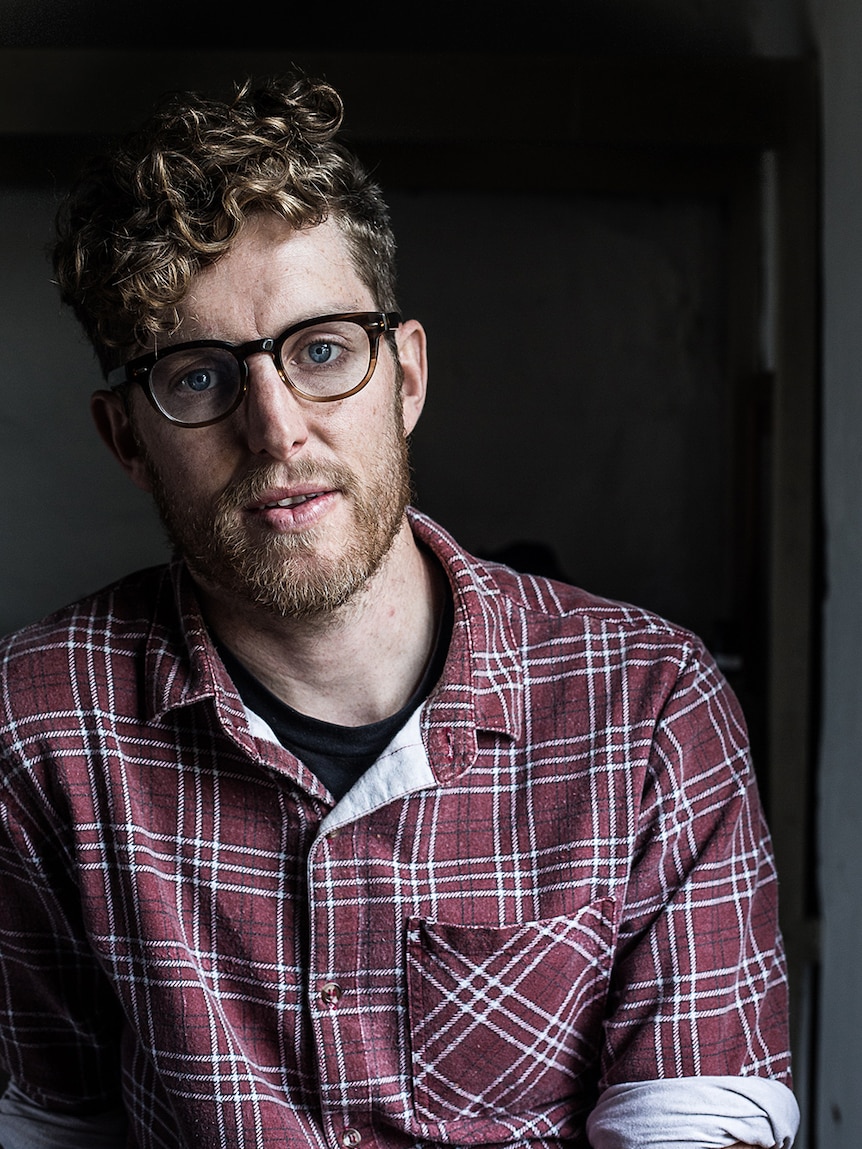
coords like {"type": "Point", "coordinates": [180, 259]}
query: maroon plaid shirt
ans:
{"type": "Point", "coordinates": [557, 879]}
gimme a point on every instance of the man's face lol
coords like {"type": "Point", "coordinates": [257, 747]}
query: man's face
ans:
{"type": "Point", "coordinates": [287, 506]}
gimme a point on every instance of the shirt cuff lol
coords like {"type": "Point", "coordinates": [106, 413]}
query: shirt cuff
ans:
{"type": "Point", "coordinates": [26, 1125]}
{"type": "Point", "coordinates": [705, 1112]}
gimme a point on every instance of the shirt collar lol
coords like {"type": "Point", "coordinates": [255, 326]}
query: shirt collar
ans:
{"type": "Point", "coordinates": [182, 666]}
{"type": "Point", "coordinates": [481, 688]}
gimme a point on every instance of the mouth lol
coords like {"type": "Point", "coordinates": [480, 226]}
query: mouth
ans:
{"type": "Point", "coordinates": [280, 498]}
{"type": "Point", "coordinates": [296, 510]}
{"type": "Point", "coordinates": [290, 501]}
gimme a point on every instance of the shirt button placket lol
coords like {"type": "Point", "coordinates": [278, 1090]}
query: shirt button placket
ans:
{"type": "Point", "coordinates": [328, 995]}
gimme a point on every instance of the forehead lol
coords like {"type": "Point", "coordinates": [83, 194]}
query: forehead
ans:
{"type": "Point", "coordinates": [272, 276]}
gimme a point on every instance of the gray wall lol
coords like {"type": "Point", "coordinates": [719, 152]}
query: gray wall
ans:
{"type": "Point", "coordinates": [69, 519]}
{"type": "Point", "coordinates": [839, 27]}
{"type": "Point", "coordinates": [577, 396]}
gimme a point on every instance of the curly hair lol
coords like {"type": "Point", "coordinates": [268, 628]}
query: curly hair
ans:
{"type": "Point", "coordinates": [143, 219]}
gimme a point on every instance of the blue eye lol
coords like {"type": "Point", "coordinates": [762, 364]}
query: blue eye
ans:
{"type": "Point", "coordinates": [200, 380]}
{"type": "Point", "coordinates": [320, 352]}
{"type": "Point", "coordinates": [325, 360]}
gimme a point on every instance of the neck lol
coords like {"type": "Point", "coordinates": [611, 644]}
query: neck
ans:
{"type": "Point", "coordinates": [357, 664]}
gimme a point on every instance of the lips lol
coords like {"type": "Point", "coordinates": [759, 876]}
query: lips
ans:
{"type": "Point", "coordinates": [290, 508]}
{"type": "Point", "coordinates": [289, 497]}
{"type": "Point", "coordinates": [290, 501]}
{"type": "Point", "coordinates": [283, 498]}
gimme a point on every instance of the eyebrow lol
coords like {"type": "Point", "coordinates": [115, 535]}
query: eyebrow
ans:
{"type": "Point", "coordinates": [332, 309]}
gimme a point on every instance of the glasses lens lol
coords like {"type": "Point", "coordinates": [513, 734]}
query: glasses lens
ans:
{"type": "Point", "coordinates": [196, 385]}
{"type": "Point", "coordinates": [327, 359]}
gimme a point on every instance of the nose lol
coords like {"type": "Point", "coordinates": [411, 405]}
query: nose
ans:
{"type": "Point", "coordinates": [275, 419]}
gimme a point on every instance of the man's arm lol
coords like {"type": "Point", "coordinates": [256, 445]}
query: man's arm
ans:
{"type": "Point", "coordinates": [59, 1020]}
{"type": "Point", "coordinates": [697, 1014]}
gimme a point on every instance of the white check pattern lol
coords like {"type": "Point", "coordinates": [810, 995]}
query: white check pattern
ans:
{"type": "Point", "coordinates": [564, 884]}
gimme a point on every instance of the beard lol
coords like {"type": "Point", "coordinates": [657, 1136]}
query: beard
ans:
{"type": "Point", "coordinates": [287, 575]}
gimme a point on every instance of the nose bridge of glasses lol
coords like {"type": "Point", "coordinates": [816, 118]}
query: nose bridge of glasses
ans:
{"type": "Point", "coordinates": [270, 347]}
{"type": "Point", "coordinates": [264, 394]}
{"type": "Point", "coordinates": [256, 347]}
{"type": "Point", "coordinates": [274, 418]}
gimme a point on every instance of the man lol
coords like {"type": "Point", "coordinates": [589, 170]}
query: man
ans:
{"type": "Point", "coordinates": [330, 834]}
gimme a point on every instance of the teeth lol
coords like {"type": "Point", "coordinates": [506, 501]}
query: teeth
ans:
{"type": "Point", "coordinates": [292, 501]}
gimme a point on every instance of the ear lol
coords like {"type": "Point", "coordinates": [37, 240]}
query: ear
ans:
{"type": "Point", "coordinates": [115, 428]}
{"type": "Point", "coordinates": [413, 356]}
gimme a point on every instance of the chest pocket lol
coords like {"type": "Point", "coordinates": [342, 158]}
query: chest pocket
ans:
{"type": "Point", "coordinates": [507, 1021]}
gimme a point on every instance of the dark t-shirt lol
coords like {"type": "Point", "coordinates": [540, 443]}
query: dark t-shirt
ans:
{"type": "Point", "coordinates": [338, 755]}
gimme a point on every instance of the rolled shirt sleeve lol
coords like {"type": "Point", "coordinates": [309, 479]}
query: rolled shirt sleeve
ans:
{"type": "Point", "coordinates": [695, 1112]}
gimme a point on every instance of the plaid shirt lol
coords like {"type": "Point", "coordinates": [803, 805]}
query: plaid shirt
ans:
{"type": "Point", "coordinates": [556, 879]}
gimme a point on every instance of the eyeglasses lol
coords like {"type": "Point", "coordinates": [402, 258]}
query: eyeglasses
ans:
{"type": "Point", "coordinates": [323, 359]}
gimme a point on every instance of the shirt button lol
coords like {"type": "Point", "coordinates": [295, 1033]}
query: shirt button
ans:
{"type": "Point", "coordinates": [350, 1138]}
{"type": "Point", "coordinates": [330, 994]}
